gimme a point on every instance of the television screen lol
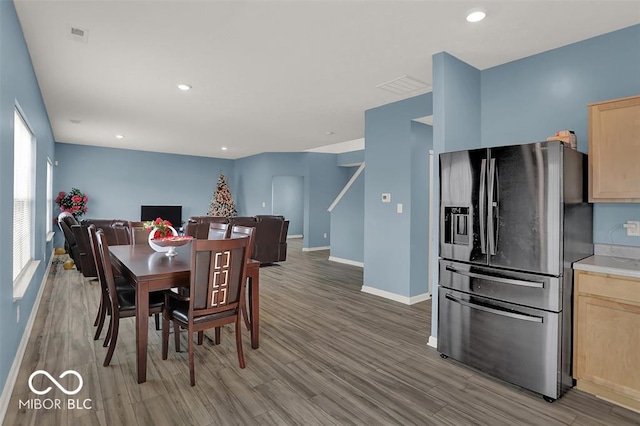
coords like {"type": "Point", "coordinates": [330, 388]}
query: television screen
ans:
{"type": "Point", "coordinates": [171, 213]}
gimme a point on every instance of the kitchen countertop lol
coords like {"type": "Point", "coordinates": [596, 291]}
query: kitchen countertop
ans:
{"type": "Point", "coordinates": [611, 259]}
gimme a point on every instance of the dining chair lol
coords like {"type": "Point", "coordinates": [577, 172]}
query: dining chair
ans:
{"type": "Point", "coordinates": [216, 295]}
{"type": "Point", "coordinates": [238, 231]}
{"type": "Point", "coordinates": [122, 302]}
{"type": "Point", "coordinates": [218, 231]}
{"type": "Point", "coordinates": [139, 235]}
{"type": "Point", "coordinates": [121, 283]}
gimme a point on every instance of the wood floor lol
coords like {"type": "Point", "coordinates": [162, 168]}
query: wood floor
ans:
{"type": "Point", "coordinates": [329, 354]}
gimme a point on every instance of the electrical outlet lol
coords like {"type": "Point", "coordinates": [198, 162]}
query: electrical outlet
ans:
{"type": "Point", "coordinates": [325, 235]}
{"type": "Point", "coordinates": [633, 228]}
{"type": "Point", "coordinates": [399, 208]}
{"type": "Point", "coordinates": [264, 204]}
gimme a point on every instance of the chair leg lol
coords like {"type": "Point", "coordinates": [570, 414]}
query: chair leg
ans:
{"type": "Point", "coordinates": [218, 336]}
{"type": "Point", "coordinates": [192, 367]}
{"type": "Point", "coordinates": [115, 320]}
{"type": "Point", "coordinates": [102, 313]}
{"type": "Point", "coordinates": [200, 337]}
{"type": "Point", "coordinates": [176, 335]}
{"type": "Point", "coordinates": [239, 342]}
{"type": "Point", "coordinates": [99, 314]}
{"type": "Point", "coordinates": [156, 318]}
{"type": "Point", "coordinates": [246, 317]}
{"type": "Point", "coordinates": [165, 336]}
{"type": "Point", "coordinates": [107, 339]}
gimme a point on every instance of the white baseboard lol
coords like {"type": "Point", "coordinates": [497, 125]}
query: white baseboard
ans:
{"type": "Point", "coordinates": [294, 236]}
{"type": "Point", "coordinates": [396, 297]}
{"type": "Point", "coordinates": [315, 248]}
{"type": "Point", "coordinates": [433, 342]}
{"type": "Point", "coordinates": [5, 397]}
{"type": "Point", "coordinates": [346, 261]}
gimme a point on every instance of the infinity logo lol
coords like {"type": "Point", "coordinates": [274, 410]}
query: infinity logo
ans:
{"type": "Point", "coordinates": [55, 382]}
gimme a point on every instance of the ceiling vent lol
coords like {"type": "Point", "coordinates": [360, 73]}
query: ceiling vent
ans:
{"type": "Point", "coordinates": [78, 34]}
{"type": "Point", "coordinates": [404, 85]}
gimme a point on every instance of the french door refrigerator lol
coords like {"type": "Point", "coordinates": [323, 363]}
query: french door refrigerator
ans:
{"type": "Point", "coordinates": [512, 221]}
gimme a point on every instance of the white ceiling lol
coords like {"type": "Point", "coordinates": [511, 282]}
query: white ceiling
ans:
{"type": "Point", "coordinates": [267, 76]}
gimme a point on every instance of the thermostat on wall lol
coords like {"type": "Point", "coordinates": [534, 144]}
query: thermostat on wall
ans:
{"type": "Point", "coordinates": [386, 197]}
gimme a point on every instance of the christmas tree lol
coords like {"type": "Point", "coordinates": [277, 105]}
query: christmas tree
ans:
{"type": "Point", "coordinates": [222, 203]}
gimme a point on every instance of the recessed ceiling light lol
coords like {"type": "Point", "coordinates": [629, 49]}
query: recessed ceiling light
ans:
{"type": "Point", "coordinates": [224, 148]}
{"type": "Point", "coordinates": [184, 87]}
{"type": "Point", "coordinates": [328, 133]}
{"type": "Point", "coordinates": [476, 15]}
{"type": "Point", "coordinates": [119, 136]}
{"type": "Point", "coordinates": [75, 121]}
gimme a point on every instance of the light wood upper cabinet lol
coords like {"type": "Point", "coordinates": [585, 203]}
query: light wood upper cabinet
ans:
{"type": "Point", "coordinates": [606, 346]}
{"type": "Point", "coordinates": [614, 151]}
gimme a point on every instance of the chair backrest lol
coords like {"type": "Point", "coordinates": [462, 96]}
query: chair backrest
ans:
{"type": "Point", "coordinates": [103, 246]}
{"type": "Point", "coordinates": [139, 235]}
{"type": "Point", "coordinates": [218, 231]}
{"type": "Point", "coordinates": [65, 221]}
{"type": "Point", "coordinates": [95, 249]}
{"type": "Point", "coordinates": [239, 231]}
{"type": "Point", "coordinates": [218, 275]}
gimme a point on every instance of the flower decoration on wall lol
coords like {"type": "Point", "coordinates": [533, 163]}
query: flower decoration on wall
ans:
{"type": "Point", "coordinates": [74, 202]}
{"type": "Point", "coordinates": [160, 228]}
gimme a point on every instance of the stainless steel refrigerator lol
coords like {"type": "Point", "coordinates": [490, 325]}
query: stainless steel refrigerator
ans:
{"type": "Point", "coordinates": [512, 221]}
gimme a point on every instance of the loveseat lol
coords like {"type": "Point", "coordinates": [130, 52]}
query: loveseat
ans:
{"type": "Point", "coordinates": [270, 244]}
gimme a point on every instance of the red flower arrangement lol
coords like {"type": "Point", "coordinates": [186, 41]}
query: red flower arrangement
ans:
{"type": "Point", "coordinates": [160, 228]}
{"type": "Point", "coordinates": [75, 202]}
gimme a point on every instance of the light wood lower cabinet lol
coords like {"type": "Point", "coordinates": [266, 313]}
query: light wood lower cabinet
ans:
{"type": "Point", "coordinates": [606, 346]}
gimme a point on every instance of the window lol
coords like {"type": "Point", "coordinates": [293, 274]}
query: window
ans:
{"type": "Point", "coordinates": [49, 226]}
{"type": "Point", "coordinates": [23, 194]}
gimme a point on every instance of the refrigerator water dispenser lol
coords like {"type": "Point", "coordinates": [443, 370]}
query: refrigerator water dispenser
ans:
{"type": "Point", "coordinates": [456, 222]}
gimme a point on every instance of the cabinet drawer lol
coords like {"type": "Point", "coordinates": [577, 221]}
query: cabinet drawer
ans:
{"type": "Point", "coordinates": [609, 286]}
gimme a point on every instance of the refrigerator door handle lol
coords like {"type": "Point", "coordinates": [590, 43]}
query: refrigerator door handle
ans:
{"type": "Point", "coordinates": [483, 201]}
{"type": "Point", "coordinates": [522, 283]}
{"type": "Point", "coordinates": [514, 315]}
{"type": "Point", "coordinates": [490, 191]}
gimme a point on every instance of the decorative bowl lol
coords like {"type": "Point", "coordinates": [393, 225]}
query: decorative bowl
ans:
{"type": "Point", "coordinates": [173, 241]}
{"type": "Point", "coordinates": [169, 243]}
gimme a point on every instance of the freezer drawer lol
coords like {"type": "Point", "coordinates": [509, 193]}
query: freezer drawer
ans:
{"type": "Point", "coordinates": [532, 290]}
{"type": "Point", "coordinates": [513, 343]}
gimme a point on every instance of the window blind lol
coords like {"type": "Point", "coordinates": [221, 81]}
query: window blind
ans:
{"type": "Point", "coordinates": [23, 173]}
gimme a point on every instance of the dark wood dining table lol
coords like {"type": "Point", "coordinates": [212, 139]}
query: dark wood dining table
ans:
{"type": "Point", "coordinates": [150, 271]}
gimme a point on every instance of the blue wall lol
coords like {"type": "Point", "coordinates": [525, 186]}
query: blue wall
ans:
{"type": "Point", "coordinates": [347, 224]}
{"type": "Point", "coordinates": [530, 99]}
{"type": "Point", "coordinates": [323, 180]}
{"type": "Point", "coordinates": [288, 201]}
{"type": "Point", "coordinates": [421, 143]}
{"type": "Point", "coordinates": [456, 126]}
{"type": "Point", "coordinates": [351, 158]}
{"type": "Point", "coordinates": [388, 158]}
{"type": "Point", "coordinates": [119, 181]}
{"type": "Point", "coordinates": [18, 84]}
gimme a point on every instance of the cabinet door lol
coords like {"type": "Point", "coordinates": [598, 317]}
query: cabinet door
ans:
{"type": "Point", "coordinates": [614, 149]}
{"type": "Point", "coordinates": [608, 345]}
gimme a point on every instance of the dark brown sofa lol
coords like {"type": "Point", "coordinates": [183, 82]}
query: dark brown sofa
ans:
{"type": "Point", "coordinates": [117, 232]}
{"type": "Point", "coordinates": [270, 244]}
